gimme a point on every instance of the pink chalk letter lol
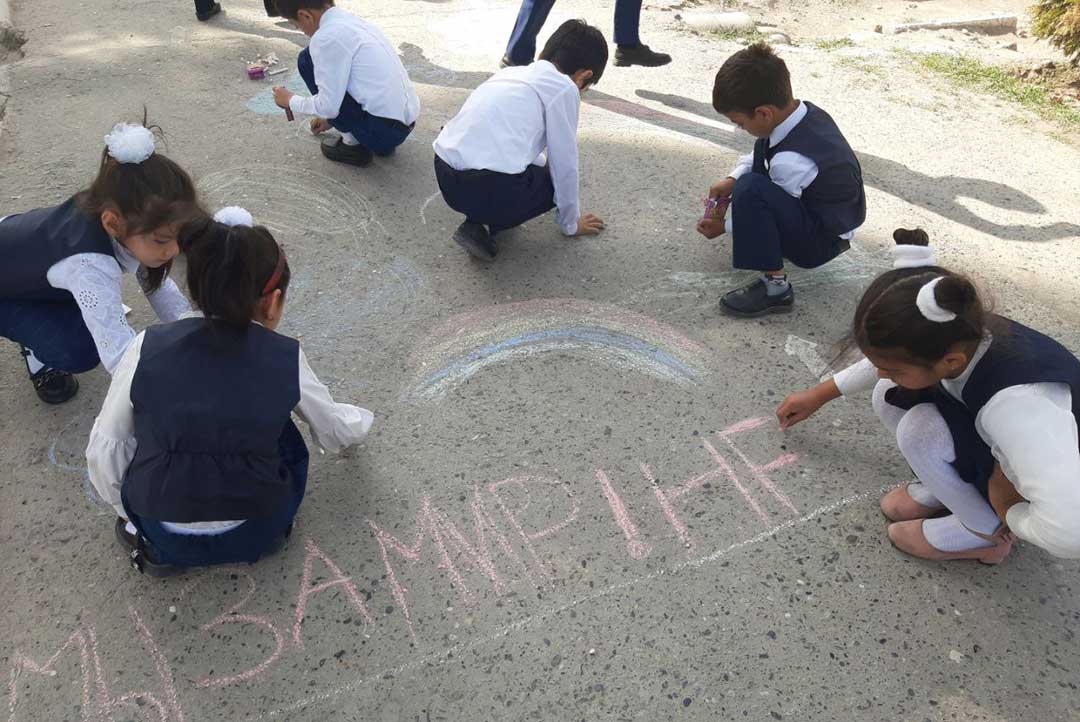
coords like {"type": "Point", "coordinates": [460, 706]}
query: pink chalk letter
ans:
{"type": "Point", "coordinates": [637, 548]}
{"type": "Point", "coordinates": [307, 590]}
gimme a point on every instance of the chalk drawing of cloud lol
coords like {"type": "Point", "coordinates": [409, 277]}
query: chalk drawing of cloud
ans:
{"type": "Point", "coordinates": [468, 343]}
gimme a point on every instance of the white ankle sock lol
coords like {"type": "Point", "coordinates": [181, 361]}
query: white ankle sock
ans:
{"type": "Point", "coordinates": [775, 284]}
{"type": "Point", "coordinates": [349, 139]}
{"type": "Point", "coordinates": [947, 534]}
{"type": "Point", "coordinates": [32, 363]}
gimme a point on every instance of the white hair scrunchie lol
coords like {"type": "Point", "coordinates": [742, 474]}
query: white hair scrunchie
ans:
{"type": "Point", "coordinates": [913, 256]}
{"type": "Point", "coordinates": [234, 216]}
{"type": "Point", "coordinates": [130, 143]}
{"type": "Point", "coordinates": [928, 305]}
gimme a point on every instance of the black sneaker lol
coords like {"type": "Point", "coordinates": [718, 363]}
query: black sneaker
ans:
{"type": "Point", "coordinates": [141, 555]}
{"type": "Point", "coordinates": [640, 55]}
{"type": "Point", "coordinates": [336, 149]}
{"type": "Point", "coordinates": [754, 300]}
{"type": "Point", "coordinates": [53, 386]}
{"type": "Point", "coordinates": [207, 14]}
{"type": "Point", "coordinates": [475, 239]}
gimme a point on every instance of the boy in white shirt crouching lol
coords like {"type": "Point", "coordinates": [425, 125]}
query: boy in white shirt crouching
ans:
{"type": "Point", "coordinates": [489, 158]}
{"type": "Point", "coordinates": [357, 81]}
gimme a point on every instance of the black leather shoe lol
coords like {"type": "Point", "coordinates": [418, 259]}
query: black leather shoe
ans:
{"type": "Point", "coordinates": [336, 149]}
{"type": "Point", "coordinates": [506, 62]}
{"type": "Point", "coordinates": [141, 555]}
{"type": "Point", "coordinates": [54, 387]}
{"type": "Point", "coordinates": [207, 14]}
{"type": "Point", "coordinates": [271, 9]}
{"type": "Point", "coordinates": [475, 239]}
{"type": "Point", "coordinates": [640, 55]}
{"type": "Point", "coordinates": [754, 300]}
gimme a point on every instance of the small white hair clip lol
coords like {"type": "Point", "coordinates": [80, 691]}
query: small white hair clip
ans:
{"type": "Point", "coordinates": [130, 143]}
{"type": "Point", "coordinates": [928, 305]}
{"type": "Point", "coordinates": [913, 256]}
{"type": "Point", "coordinates": [234, 216]}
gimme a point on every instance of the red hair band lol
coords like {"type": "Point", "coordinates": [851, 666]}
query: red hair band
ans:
{"type": "Point", "coordinates": [275, 277]}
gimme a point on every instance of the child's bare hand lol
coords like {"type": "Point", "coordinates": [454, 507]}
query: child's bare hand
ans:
{"type": "Point", "coordinates": [711, 227]}
{"type": "Point", "coordinates": [798, 407]}
{"type": "Point", "coordinates": [319, 126]}
{"type": "Point", "coordinates": [282, 96]}
{"type": "Point", "coordinates": [589, 225]}
{"type": "Point", "coordinates": [722, 188]}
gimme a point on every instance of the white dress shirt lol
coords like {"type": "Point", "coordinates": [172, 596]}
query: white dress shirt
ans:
{"type": "Point", "coordinates": [94, 280]}
{"type": "Point", "coordinates": [112, 443]}
{"type": "Point", "coordinates": [790, 170]}
{"type": "Point", "coordinates": [1032, 434]}
{"type": "Point", "coordinates": [353, 56]}
{"type": "Point", "coordinates": [508, 121]}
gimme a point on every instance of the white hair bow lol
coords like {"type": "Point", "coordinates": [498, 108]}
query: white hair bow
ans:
{"type": "Point", "coordinates": [928, 305]}
{"type": "Point", "coordinates": [234, 216]}
{"type": "Point", "coordinates": [130, 143]}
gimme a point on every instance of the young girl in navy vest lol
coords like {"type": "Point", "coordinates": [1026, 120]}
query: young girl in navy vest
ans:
{"type": "Point", "coordinates": [195, 447]}
{"type": "Point", "coordinates": [984, 410]}
{"type": "Point", "coordinates": [61, 268]}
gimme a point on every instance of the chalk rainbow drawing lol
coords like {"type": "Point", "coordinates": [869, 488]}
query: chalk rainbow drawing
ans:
{"type": "Point", "coordinates": [467, 343]}
{"type": "Point", "coordinates": [264, 104]}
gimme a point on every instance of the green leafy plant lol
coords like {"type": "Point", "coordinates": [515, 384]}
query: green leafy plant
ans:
{"type": "Point", "coordinates": [1059, 22]}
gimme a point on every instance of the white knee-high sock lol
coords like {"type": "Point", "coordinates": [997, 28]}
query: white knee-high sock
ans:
{"type": "Point", "coordinates": [349, 139]}
{"type": "Point", "coordinates": [33, 365]}
{"type": "Point", "coordinates": [925, 441]}
{"type": "Point", "coordinates": [948, 534]}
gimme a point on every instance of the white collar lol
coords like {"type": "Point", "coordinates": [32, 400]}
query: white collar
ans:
{"type": "Point", "coordinates": [128, 263]}
{"type": "Point", "coordinates": [781, 131]}
{"type": "Point", "coordinates": [956, 386]}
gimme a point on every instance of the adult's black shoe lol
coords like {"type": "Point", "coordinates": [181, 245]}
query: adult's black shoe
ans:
{"type": "Point", "coordinates": [336, 149]}
{"type": "Point", "coordinates": [53, 386]}
{"type": "Point", "coordinates": [475, 239]}
{"type": "Point", "coordinates": [640, 55]}
{"type": "Point", "coordinates": [753, 300]}
{"type": "Point", "coordinates": [205, 15]}
{"type": "Point", "coordinates": [271, 8]}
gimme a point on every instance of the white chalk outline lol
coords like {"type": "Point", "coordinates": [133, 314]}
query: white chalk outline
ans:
{"type": "Point", "coordinates": [521, 623]}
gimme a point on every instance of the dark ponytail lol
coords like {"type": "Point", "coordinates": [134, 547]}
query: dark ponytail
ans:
{"type": "Point", "coordinates": [230, 268]}
{"type": "Point", "coordinates": [148, 195]}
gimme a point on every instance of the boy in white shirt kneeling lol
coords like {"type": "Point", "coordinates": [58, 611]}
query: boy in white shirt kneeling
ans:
{"type": "Point", "coordinates": [489, 158]}
{"type": "Point", "coordinates": [357, 81]}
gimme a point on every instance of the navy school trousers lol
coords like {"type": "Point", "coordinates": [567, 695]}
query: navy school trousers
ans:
{"type": "Point", "coordinates": [53, 330]}
{"type": "Point", "coordinates": [496, 200]}
{"type": "Point", "coordinates": [768, 225]}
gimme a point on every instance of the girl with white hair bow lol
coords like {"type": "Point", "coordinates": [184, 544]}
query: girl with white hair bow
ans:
{"type": "Point", "coordinates": [62, 267]}
{"type": "Point", "coordinates": [984, 410]}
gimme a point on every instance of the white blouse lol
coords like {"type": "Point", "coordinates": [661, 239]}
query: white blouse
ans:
{"type": "Point", "coordinates": [112, 443]}
{"type": "Point", "coordinates": [95, 281]}
{"type": "Point", "coordinates": [1032, 433]}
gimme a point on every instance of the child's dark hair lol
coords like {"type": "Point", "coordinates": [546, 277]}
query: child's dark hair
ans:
{"type": "Point", "coordinates": [291, 8]}
{"type": "Point", "coordinates": [575, 45]}
{"type": "Point", "coordinates": [148, 195]}
{"type": "Point", "coordinates": [230, 268]}
{"type": "Point", "coordinates": [750, 78]}
{"type": "Point", "coordinates": [889, 321]}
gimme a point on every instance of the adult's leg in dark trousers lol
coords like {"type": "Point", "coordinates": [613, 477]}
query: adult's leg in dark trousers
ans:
{"type": "Point", "coordinates": [769, 225]}
{"type": "Point", "coordinates": [627, 20]}
{"type": "Point", "coordinates": [533, 14]}
{"type": "Point", "coordinates": [53, 330]}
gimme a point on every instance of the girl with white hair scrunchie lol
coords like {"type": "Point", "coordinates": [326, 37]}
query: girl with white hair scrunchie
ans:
{"type": "Point", "coordinates": [62, 267]}
{"type": "Point", "coordinates": [984, 411]}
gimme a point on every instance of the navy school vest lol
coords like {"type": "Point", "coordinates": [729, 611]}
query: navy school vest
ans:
{"type": "Point", "coordinates": [33, 242]}
{"type": "Point", "coordinates": [1017, 356]}
{"type": "Point", "coordinates": [836, 196]}
{"type": "Point", "coordinates": [210, 406]}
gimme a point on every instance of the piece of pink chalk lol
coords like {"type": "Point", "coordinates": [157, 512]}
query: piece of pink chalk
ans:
{"type": "Point", "coordinates": [256, 72]}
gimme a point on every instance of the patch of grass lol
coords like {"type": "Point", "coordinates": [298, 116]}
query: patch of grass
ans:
{"type": "Point", "coordinates": [862, 65]}
{"type": "Point", "coordinates": [752, 36]}
{"type": "Point", "coordinates": [999, 82]}
{"type": "Point", "coordinates": [834, 44]}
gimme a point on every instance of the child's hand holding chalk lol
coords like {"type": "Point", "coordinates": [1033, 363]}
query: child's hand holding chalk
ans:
{"type": "Point", "coordinates": [282, 96]}
{"type": "Point", "coordinates": [802, 405]}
